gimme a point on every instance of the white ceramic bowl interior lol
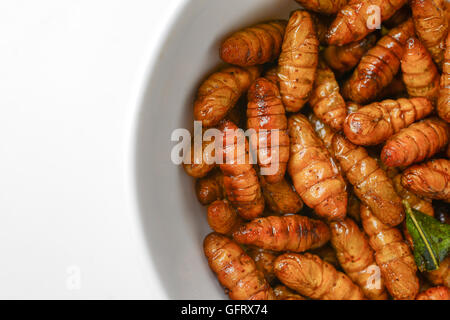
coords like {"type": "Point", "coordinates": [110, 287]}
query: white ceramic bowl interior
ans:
{"type": "Point", "coordinates": [173, 221]}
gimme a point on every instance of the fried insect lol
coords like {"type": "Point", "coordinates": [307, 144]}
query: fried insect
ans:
{"type": "Point", "coordinates": [430, 179]}
{"type": "Point", "coordinates": [258, 44]}
{"type": "Point", "coordinates": [284, 293]}
{"type": "Point", "coordinates": [314, 173]}
{"type": "Point", "coordinates": [371, 185]}
{"type": "Point", "coordinates": [298, 61]}
{"type": "Point", "coordinates": [415, 143]}
{"type": "Point", "coordinates": [220, 92]}
{"type": "Point", "coordinates": [323, 131]}
{"type": "Point", "coordinates": [353, 207]}
{"type": "Point", "coordinates": [326, 100]}
{"type": "Point", "coordinates": [328, 7]}
{"type": "Point", "coordinates": [436, 293]}
{"type": "Point", "coordinates": [210, 188]}
{"type": "Point", "coordinates": [199, 165]}
{"type": "Point", "coordinates": [443, 106]}
{"type": "Point", "coordinates": [286, 233]}
{"type": "Point", "coordinates": [356, 257]}
{"type": "Point", "coordinates": [395, 90]}
{"type": "Point", "coordinates": [280, 197]}
{"type": "Point", "coordinates": [414, 201]}
{"type": "Point", "coordinates": [222, 217]}
{"type": "Point", "coordinates": [378, 66]}
{"type": "Point", "coordinates": [420, 74]}
{"type": "Point", "coordinates": [352, 22]}
{"type": "Point", "coordinates": [393, 256]}
{"type": "Point", "coordinates": [441, 276]}
{"type": "Point", "coordinates": [344, 58]}
{"type": "Point", "coordinates": [376, 122]}
{"type": "Point", "coordinates": [235, 270]}
{"type": "Point", "coordinates": [431, 26]}
{"type": "Point", "coordinates": [240, 180]}
{"type": "Point", "coordinates": [264, 261]}
{"type": "Point", "coordinates": [327, 254]}
{"type": "Point", "coordinates": [310, 276]}
{"type": "Point", "coordinates": [265, 112]}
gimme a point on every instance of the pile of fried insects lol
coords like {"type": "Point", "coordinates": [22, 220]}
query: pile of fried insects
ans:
{"type": "Point", "coordinates": [358, 208]}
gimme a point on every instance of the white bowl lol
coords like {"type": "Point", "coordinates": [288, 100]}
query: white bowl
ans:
{"type": "Point", "coordinates": [173, 221]}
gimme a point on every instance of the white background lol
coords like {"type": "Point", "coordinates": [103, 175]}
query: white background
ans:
{"type": "Point", "coordinates": [69, 75]}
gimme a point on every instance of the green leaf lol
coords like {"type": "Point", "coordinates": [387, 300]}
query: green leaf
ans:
{"type": "Point", "coordinates": [430, 237]}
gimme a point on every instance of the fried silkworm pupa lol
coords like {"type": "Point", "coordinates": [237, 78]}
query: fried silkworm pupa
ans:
{"type": "Point", "coordinates": [235, 270]}
{"type": "Point", "coordinates": [284, 293]}
{"type": "Point", "coordinates": [222, 217]}
{"type": "Point", "coordinates": [352, 22]}
{"type": "Point", "coordinates": [280, 197]}
{"type": "Point", "coordinates": [210, 188]}
{"type": "Point", "coordinates": [376, 122]}
{"type": "Point", "coordinates": [327, 254]}
{"type": "Point", "coordinates": [378, 66]}
{"type": "Point", "coordinates": [240, 179]}
{"type": "Point", "coordinates": [420, 74]}
{"type": "Point", "coordinates": [327, 7]}
{"type": "Point", "coordinates": [199, 165]}
{"type": "Point", "coordinates": [286, 233]}
{"type": "Point", "coordinates": [326, 100]}
{"type": "Point", "coordinates": [443, 106]}
{"type": "Point", "coordinates": [314, 172]}
{"type": "Point", "coordinates": [415, 143]}
{"type": "Point", "coordinates": [254, 45]}
{"type": "Point", "coordinates": [429, 180]}
{"type": "Point", "coordinates": [220, 92]}
{"type": "Point", "coordinates": [264, 261]}
{"type": "Point", "coordinates": [431, 26]}
{"type": "Point", "coordinates": [302, 273]}
{"type": "Point", "coordinates": [392, 254]}
{"type": "Point", "coordinates": [356, 257]}
{"type": "Point", "coordinates": [441, 276]}
{"type": "Point", "coordinates": [436, 293]}
{"type": "Point", "coordinates": [344, 58]}
{"type": "Point", "coordinates": [370, 182]}
{"type": "Point", "coordinates": [298, 61]}
{"type": "Point", "coordinates": [266, 114]}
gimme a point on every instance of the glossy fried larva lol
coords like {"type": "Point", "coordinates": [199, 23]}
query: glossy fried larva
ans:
{"type": "Point", "coordinates": [220, 92]}
{"type": "Point", "coordinates": [264, 261]}
{"type": "Point", "coordinates": [431, 26]}
{"type": "Point", "coordinates": [352, 22]}
{"type": "Point", "coordinates": [371, 185]}
{"type": "Point", "coordinates": [326, 100]}
{"type": "Point", "coordinates": [441, 276]}
{"type": "Point", "coordinates": [415, 143]}
{"type": "Point", "coordinates": [393, 256]}
{"type": "Point", "coordinates": [222, 217]}
{"type": "Point", "coordinates": [395, 90]}
{"type": "Point", "coordinates": [400, 16]}
{"type": "Point", "coordinates": [420, 74]}
{"type": "Point", "coordinates": [266, 115]}
{"type": "Point", "coordinates": [271, 74]}
{"type": "Point", "coordinates": [414, 201]}
{"type": "Point", "coordinates": [240, 180]}
{"type": "Point", "coordinates": [200, 164]}
{"type": "Point", "coordinates": [280, 197]}
{"type": "Point", "coordinates": [378, 66]}
{"type": "Point", "coordinates": [430, 179]}
{"type": "Point", "coordinates": [376, 122]}
{"type": "Point", "coordinates": [284, 293]}
{"type": "Point", "coordinates": [356, 257]}
{"type": "Point", "coordinates": [235, 270]}
{"type": "Point", "coordinates": [344, 58]}
{"type": "Point", "coordinates": [323, 131]}
{"type": "Point", "coordinates": [353, 107]}
{"type": "Point", "coordinates": [328, 7]}
{"type": "Point", "coordinates": [312, 277]}
{"type": "Point", "coordinates": [286, 233]}
{"type": "Point", "coordinates": [327, 254]}
{"type": "Point", "coordinates": [436, 293]}
{"type": "Point", "coordinates": [210, 188]}
{"type": "Point", "coordinates": [298, 61]}
{"type": "Point", "coordinates": [314, 172]}
{"type": "Point", "coordinates": [443, 107]}
{"type": "Point", "coordinates": [258, 44]}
